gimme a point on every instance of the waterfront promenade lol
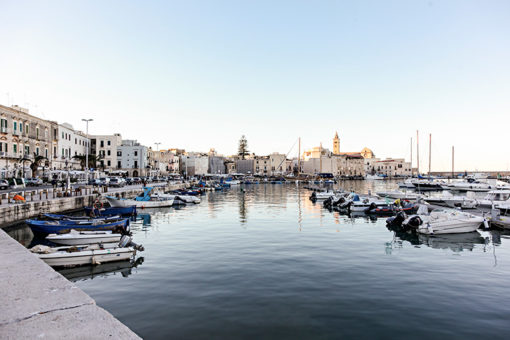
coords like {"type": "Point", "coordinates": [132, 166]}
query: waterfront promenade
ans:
{"type": "Point", "coordinates": [37, 302]}
{"type": "Point", "coordinates": [40, 201]}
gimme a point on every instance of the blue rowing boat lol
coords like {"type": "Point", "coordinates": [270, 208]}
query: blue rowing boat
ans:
{"type": "Point", "coordinates": [78, 218]}
{"type": "Point", "coordinates": [111, 211]}
{"type": "Point", "coordinates": [65, 226]}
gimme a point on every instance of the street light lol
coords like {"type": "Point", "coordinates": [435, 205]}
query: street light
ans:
{"type": "Point", "coordinates": [157, 159]}
{"type": "Point", "coordinates": [87, 150]}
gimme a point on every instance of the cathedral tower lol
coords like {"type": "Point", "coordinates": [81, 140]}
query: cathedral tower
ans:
{"type": "Point", "coordinates": [336, 144]}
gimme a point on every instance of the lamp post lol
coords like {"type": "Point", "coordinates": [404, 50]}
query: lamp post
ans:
{"type": "Point", "coordinates": [87, 149]}
{"type": "Point", "coordinates": [157, 158]}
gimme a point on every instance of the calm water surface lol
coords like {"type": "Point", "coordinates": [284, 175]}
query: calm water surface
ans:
{"type": "Point", "coordinates": [266, 263]}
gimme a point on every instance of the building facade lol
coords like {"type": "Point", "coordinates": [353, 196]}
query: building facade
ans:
{"type": "Point", "coordinates": [23, 137]}
{"type": "Point", "coordinates": [132, 158]}
{"type": "Point", "coordinates": [104, 147]}
{"type": "Point", "coordinates": [71, 143]}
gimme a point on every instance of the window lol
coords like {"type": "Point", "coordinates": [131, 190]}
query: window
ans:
{"type": "Point", "coordinates": [15, 125]}
{"type": "Point", "coordinates": [109, 143]}
{"type": "Point", "coordinates": [109, 163]}
{"type": "Point", "coordinates": [46, 153]}
{"type": "Point", "coordinates": [119, 153]}
{"type": "Point", "coordinates": [20, 126]}
{"type": "Point", "coordinates": [102, 143]}
{"type": "Point", "coordinates": [54, 151]}
{"type": "Point", "coordinates": [62, 134]}
{"type": "Point", "coordinates": [37, 133]}
{"type": "Point", "coordinates": [136, 153]}
{"type": "Point", "coordinates": [136, 164]}
{"type": "Point", "coordinates": [27, 150]}
{"type": "Point", "coordinates": [15, 146]}
{"type": "Point", "coordinates": [118, 164]}
{"type": "Point", "coordinates": [109, 153]}
{"type": "Point", "coordinates": [75, 141]}
{"type": "Point", "coordinates": [62, 152]}
{"type": "Point", "coordinates": [36, 151]}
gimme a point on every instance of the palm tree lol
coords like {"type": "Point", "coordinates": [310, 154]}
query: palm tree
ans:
{"type": "Point", "coordinates": [82, 159]}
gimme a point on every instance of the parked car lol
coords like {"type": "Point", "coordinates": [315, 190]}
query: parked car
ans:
{"type": "Point", "coordinates": [129, 181]}
{"type": "Point", "coordinates": [137, 180]}
{"type": "Point", "coordinates": [104, 180]}
{"type": "Point", "coordinates": [4, 184]}
{"type": "Point", "coordinates": [117, 182]}
{"type": "Point", "coordinates": [33, 182]}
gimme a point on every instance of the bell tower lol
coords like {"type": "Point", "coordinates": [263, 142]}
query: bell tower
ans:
{"type": "Point", "coordinates": [336, 144]}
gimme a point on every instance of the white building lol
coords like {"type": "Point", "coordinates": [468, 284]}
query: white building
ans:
{"type": "Point", "coordinates": [391, 167]}
{"type": "Point", "coordinates": [132, 157]}
{"type": "Point", "coordinates": [195, 164]}
{"type": "Point", "coordinates": [70, 143]}
{"type": "Point", "coordinates": [277, 162]}
{"type": "Point", "coordinates": [104, 147]}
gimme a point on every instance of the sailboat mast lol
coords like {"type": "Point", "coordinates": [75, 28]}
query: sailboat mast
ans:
{"type": "Point", "coordinates": [430, 150]}
{"type": "Point", "coordinates": [411, 155]}
{"type": "Point", "coordinates": [299, 157]}
{"type": "Point", "coordinates": [453, 161]}
{"type": "Point", "coordinates": [417, 152]}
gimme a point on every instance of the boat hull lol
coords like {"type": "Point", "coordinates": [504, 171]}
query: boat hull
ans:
{"type": "Point", "coordinates": [50, 227]}
{"type": "Point", "coordinates": [63, 259]}
{"type": "Point", "coordinates": [122, 203]}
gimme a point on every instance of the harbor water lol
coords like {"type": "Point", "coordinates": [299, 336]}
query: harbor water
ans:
{"type": "Point", "coordinates": [264, 262]}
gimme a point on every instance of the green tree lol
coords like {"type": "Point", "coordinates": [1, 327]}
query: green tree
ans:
{"type": "Point", "coordinates": [82, 159]}
{"type": "Point", "coordinates": [243, 147]}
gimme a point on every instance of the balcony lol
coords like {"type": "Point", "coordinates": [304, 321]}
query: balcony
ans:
{"type": "Point", "coordinates": [16, 132]}
{"type": "Point", "coordinates": [4, 130]}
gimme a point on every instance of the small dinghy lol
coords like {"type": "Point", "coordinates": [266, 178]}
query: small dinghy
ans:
{"type": "Point", "coordinates": [84, 237]}
{"type": "Point", "coordinates": [69, 256]}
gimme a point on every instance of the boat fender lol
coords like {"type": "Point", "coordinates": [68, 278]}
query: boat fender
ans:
{"type": "Point", "coordinates": [485, 223]}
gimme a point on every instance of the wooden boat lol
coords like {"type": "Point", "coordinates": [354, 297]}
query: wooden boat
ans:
{"type": "Point", "coordinates": [82, 255]}
{"type": "Point", "coordinates": [65, 226]}
{"type": "Point", "coordinates": [111, 211]}
{"type": "Point", "coordinates": [84, 237]}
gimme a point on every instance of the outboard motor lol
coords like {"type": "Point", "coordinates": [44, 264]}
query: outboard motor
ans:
{"type": "Point", "coordinates": [372, 206]}
{"type": "Point", "coordinates": [126, 241]}
{"type": "Point", "coordinates": [396, 221]}
{"type": "Point", "coordinates": [327, 203]}
{"type": "Point", "coordinates": [414, 222]}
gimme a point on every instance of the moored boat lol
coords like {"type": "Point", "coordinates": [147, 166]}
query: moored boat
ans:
{"type": "Point", "coordinates": [84, 237]}
{"type": "Point", "coordinates": [64, 226]}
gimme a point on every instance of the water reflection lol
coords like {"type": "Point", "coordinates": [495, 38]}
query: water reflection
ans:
{"type": "Point", "coordinates": [23, 234]}
{"type": "Point", "coordinates": [90, 272]}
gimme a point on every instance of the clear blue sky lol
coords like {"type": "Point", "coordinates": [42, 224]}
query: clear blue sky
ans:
{"type": "Point", "coordinates": [199, 74]}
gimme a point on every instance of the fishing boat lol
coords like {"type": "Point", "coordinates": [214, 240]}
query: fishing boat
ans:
{"type": "Point", "coordinates": [65, 226]}
{"type": "Point", "coordinates": [75, 237]}
{"type": "Point", "coordinates": [321, 195]}
{"type": "Point", "coordinates": [111, 211]}
{"type": "Point", "coordinates": [144, 200]}
{"type": "Point", "coordinates": [447, 221]}
{"type": "Point", "coordinates": [58, 217]}
{"type": "Point", "coordinates": [87, 254]}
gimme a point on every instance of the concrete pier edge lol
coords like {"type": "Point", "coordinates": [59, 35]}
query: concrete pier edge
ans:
{"type": "Point", "coordinates": [38, 302]}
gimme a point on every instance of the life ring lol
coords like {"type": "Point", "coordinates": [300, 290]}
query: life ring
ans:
{"type": "Point", "coordinates": [98, 205]}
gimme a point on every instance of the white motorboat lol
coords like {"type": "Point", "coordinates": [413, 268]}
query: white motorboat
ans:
{"type": "Point", "coordinates": [375, 177]}
{"type": "Point", "coordinates": [407, 184]}
{"type": "Point", "coordinates": [145, 200]}
{"type": "Point", "coordinates": [402, 195]}
{"type": "Point", "coordinates": [179, 199]}
{"type": "Point", "coordinates": [84, 237]}
{"type": "Point", "coordinates": [494, 197]}
{"type": "Point", "coordinates": [451, 201]}
{"type": "Point", "coordinates": [364, 203]}
{"type": "Point", "coordinates": [443, 222]}
{"type": "Point", "coordinates": [321, 195]}
{"type": "Point", "coordinates": [500, 216]}
{"type": "Point", "coordinates": [469, 186]}
{"type": "Point", "coordinates": [82, 255]}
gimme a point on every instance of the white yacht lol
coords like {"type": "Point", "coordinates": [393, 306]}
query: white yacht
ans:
{"type": "Point", "coordinates": [402, 195]}
{"type": "Point", "coordinates": [500, 216]}
{"type": "Point", "coordinates": [451, 201]}
{"type": "Point", "coordinates": [495, 197]}
{"type": "Point", "coordinates": [448, 221]}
